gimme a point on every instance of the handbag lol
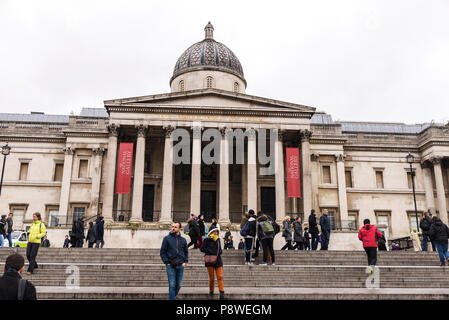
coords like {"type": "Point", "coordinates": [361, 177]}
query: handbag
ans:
{"type": "Point", "coordinates": [211, 260]}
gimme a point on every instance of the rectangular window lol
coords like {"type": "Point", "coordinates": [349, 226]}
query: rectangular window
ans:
{"type": "Point", "coordinates": [18, 212]}
{"type": "Point", "coordinates": [348, 178]}
{"type": "Point", "coordinates": [53, 217]}
{"type": "Point", "coordinates": [379, 179]}
{"type": "Point", "coordinates": [352, 221]}
{"type": "Point", "coordinates": [59, 169]}
{"type": "Point", "coordinates": [23, 171]}
{"type": "Point", "coordinates": [409, 180]}
{"type": "Point", "coordinates": [82, 172]}
{"type": "Point", "coordinates": [78, 212]}
{"type": "Point", "coordinates": [326, 174]}
{"type": "Point", "coordinates": [383, 220]}
{"type": "Point", "coordinates": [412, 219]}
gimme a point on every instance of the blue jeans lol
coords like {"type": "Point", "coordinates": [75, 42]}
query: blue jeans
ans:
{"type": "Point", "coordinates": [325, 238]}
{"type": "Point", "coordinates": [426, 238]}
{"type": "Point", "coordinates": [442, 251]}
{"type": "Point", "coordinates": [314, 241]}
{"type": "Point", "coordinates": [10, 239]}
{"type": "Point", "coordinates": [1, 241]}
{"type": "Point", "coordinates": [174, 275]}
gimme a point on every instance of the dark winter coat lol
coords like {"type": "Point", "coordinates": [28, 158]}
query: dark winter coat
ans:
{"type": "Point", "coordinates": [241, 246]}
{"type": "Point", "coordinates": [91, 235]}
{"type": "Point", "coordinates": [9, 286]}
{"type": "Point", "coordinates": [287, 233]}
{"type": "Point", "coordinates": [313, 227]}
{"type": "Point", "coordinates": [260, 233]}
{"type": "Point", "coordinates": [3, 227]}
{"type": "Point", "coordinates": [99, 231]}
{"type": "Point", "coordinates": [297, 235]}
{"type": "Point", "coordinates": [202, 227]}
{"type": "Point", "coordinates": [79, 233]}
{"type": "Point", "coordinates": [439, 232]}
{"type": "Point", "coordinates": [194, 228]}
{"type": "Point", "coordinates": [174, 247]}
{"type": "Point", "coordinates": [252, 228]}
{"type": "Point", "coordinates": [211, 247]}
{"type": "Point", "coordinates": [325, 223]}
{"type": "Point", "coordinates": [425, 227]}
{"type": "Point", "coordinates": [66, 243]}
{"type": "Point", "coordinates": [10, 223]}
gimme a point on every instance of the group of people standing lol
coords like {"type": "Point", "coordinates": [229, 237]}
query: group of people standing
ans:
{"type": "Point", "coordinates": [95, 234]}
{"type": "Point", "coordinates": [6, 229]}
{"type": "Point", "coordinates": [435, 231]}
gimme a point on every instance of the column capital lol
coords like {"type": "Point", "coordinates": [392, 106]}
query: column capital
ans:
{"type": "Point", "coordinates": [196, 131]}
{"type": "Point", "coordinates": [281, 135]}
{"type": "Point", "coordinates": [436, 160]}
{"type": "Point", "coordinates": [98, 151]}
{"type": "Point", "coordinates": [314, 157]}
{"type": "Point", "coordinates": [113, 130]}
{"type": "Point", "coordinates": [141, 131]}
{"type": "Point", "coordinates": [340, 157]}
{"type": "Point", "coordinates": [251, 133]}
{"type": "Point", "coordinates": [69, 151]}
{"type": "Point", "coordinates": [168, 130]}
{"type": "Point", "coordinates": [305, 135]}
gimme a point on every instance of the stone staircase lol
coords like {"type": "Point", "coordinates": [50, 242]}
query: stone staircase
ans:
{"type": "Point", "coordinates": [140, 274]}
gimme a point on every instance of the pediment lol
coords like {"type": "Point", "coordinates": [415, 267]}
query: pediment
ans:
{"type": "Point", "coordinates": [209, 101]}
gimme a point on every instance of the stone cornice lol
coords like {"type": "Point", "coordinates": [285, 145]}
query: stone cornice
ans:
{"type": "Point", "coordinates": [204, 110]}
{"type": "Point", "coordinates": [316, 140]}
{"type": "Point", "coordinates": [209, 92]}
{"type": "Point", "coordinates": [380, 148]}
{"type": "Point", "coordinates": [433, 143]}
{"type": "Point", "coordinates": [86, 134]}
{"type": "Point", "coordinates": [33, 139]}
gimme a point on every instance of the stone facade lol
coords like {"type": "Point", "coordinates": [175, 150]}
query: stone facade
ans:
{"type": "Point", "coordinates": [65, 166]}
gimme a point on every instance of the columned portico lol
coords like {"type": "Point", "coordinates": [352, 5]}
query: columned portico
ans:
{"type": "Point", "coordinates": [136, 213]}
{"type": "Point", "coordinates": [440, 188]}
{"type": "Point", "coordinates": [167, 178]}
{"type": "Point", "coordinates": [223, 208]}
{"type": "Point", "coordinates": [111, 162]}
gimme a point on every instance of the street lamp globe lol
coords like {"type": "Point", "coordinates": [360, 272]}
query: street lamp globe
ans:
{"type": "Point", "coordinates": [5, 150]}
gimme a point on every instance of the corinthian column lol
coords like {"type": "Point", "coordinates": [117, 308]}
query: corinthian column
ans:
{"type": "Point", "coordinates": [136, 211]}
{"type": "Point", "coordinates": [195, 189]}
{"type": "Point", "coordinates": [167, 177]}
{"type": "Point", "coordinates": [65, 186]}
{"type": "Point", "coordinates": [223, 205]}
{"type": "Point", "coordinates": [342, 188]}
{"type": "Point", "coordinates": [96, 180]}
{"type": "Point", "coordinates": [279, 177]}
{"type": "Point", "coordinates": [428, 187]}
{"type": "Point", "coordinates": [111, 161]}
{"type": "Point", "coordinates": [306, 171]}
{"type": "Point", "coordinates": [252, 171]}
{"type": "Point", "coordinates": [440, 189]}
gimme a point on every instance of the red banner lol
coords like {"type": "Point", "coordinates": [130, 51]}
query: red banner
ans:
{"type": "Point", "coordinates": [293, 179]}
{"type": "Point", "coordinates": [124, 168]}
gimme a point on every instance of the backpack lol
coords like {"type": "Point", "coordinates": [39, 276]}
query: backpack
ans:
{"type": "Point", "coordinates": [245, 229]}
{"type": "Point", "coordinates": [276, 227]}
{"type": "Point", "coordinates": [425, 225]}
{"type": "Point", "coordinates": [267, 227]}
{"type": "Point", "coordinates": [187, 229]}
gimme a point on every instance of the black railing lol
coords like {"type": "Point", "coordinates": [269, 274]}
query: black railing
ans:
{"type": "Point", "coordinates": [121, 215]}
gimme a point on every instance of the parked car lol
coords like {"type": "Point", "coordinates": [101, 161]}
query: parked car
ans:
{"type": "Point", "coordinates": [19, 239]}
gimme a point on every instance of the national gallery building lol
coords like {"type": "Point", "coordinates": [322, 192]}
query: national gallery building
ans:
{"type": "Point", "coordinates": [66, 166]}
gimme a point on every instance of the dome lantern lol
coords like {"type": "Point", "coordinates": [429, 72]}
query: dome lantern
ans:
{"type": "Point", "coordinates": [209, 29]}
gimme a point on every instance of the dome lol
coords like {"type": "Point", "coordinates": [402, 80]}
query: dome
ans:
{"type": "Point", "coordinates": [208, 55]}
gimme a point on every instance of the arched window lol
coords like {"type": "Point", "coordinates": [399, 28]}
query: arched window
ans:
{"type": "Point", "coordinates": [236, 87]}
{"type": "Point", "coordinates": [209, 82]}
{"type": "Point", "coordinates": [181, 85]}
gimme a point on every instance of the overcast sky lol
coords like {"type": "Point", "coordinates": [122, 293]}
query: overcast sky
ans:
{"type": "Point", "coordinates": [356, 60]}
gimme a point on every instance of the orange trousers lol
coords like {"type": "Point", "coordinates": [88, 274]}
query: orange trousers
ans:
{"type": "Point", "coordinates": [219, 272]}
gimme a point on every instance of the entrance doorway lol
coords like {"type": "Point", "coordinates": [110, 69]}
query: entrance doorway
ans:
{"type": "Point", "coordinates": [148, 202]}
{"type": "Point", "coordinates": [268, 201]}
{"type": "Point", "coordinates": [208, 205]}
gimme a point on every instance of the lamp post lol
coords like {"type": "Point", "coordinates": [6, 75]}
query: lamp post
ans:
{"type": "Point", "coordinates": [410, 160]}
{"type": "Point", "coordinates": [5, 152]}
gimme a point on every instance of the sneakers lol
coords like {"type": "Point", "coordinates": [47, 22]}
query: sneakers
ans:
{"type": "Point", "coordinates": [271, 264]}
{"type": "Point", "coordinates": [442, 265]}
{"type": "Point", "coordinates": [263, 264]}
{"type": "Point", "coordinates": [371, 270]}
